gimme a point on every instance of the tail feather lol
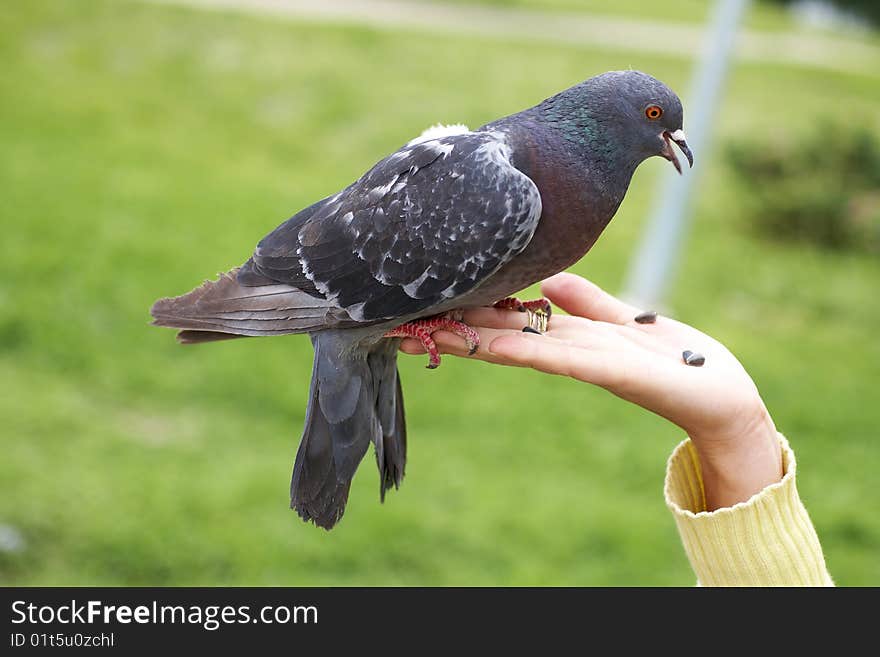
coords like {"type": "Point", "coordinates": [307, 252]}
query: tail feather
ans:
{"type": "Point", "coordinates": [390, 444]}
{"type": "Point", "coordinates": [227, 307]}
{"type": "Point", "coordinates": [355, 396]}
{"type": "Point", "coordinates": [355, 399]}
{"type": "Point", "coordinates": [198, 337]}
{"type": "Point", "coordinates": [395, 443]}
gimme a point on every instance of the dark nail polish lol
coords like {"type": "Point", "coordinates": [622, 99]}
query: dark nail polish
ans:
{"type": "Point", "coordinates": [693, 358]}
{"type": "Point", "coordinates": [647, 317]}
{"type": "Point", "coordinates": [529, 329]}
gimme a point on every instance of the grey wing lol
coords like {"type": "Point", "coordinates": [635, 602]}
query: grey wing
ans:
{"type": "Point", "coordinates": [428, 223]}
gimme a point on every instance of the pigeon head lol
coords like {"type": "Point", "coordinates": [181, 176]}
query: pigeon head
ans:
{"type": "Point", "coordinates": [625, 116]}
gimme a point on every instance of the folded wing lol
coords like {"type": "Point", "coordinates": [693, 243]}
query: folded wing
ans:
{"type": "Point", "coordinates": [426, 224]}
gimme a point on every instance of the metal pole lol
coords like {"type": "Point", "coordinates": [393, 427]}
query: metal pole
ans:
{"type": "Point", "coordinates": [650, 271]}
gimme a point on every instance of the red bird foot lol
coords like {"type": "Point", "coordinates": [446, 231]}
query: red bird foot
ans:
{"type": "Point", "coordinates": [538, 305]}
{"type": "Point", "coordinates": [422, 329]}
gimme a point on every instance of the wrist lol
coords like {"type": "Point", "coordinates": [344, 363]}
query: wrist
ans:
{"type": "Point", "coordinates": [741, 460]}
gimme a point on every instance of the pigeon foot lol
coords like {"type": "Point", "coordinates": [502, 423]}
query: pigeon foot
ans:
{"type": "Point", "coordinates": [422, 329]}
{"type": "Point", "coordinates": [537, 305]}
{"type": "Point", "coordinates": [538, 311]}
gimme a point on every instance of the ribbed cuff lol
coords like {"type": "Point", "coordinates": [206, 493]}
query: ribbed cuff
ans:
{"type": "Point", "coordinates": [768, 540]}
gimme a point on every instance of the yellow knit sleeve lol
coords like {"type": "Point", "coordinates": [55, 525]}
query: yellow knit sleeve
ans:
{"type": "Point", "coordinates": [768, 540]}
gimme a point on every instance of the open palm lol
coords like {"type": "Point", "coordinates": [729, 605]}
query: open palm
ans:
{"type": "Point", "coordinates": [599, 342]}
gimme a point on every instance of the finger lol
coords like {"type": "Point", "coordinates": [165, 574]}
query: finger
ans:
{"type": "Point", "coordinates": [412, 346]}
{"type": "Point", "coordinates": [449, 343]}
{"type": "Point", "coordinates": [552, 356]}
{"type": "Point", "coordinates": [495, 318]}
{"type": "Point", "coordinates": [514, 320]}
{"type": "Point", "coordinates": [578, 296]}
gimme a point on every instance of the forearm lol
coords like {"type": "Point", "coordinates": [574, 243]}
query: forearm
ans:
{"type": "Point", "coordinates": [767, 540]}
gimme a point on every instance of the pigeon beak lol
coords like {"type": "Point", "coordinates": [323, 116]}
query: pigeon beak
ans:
{"type": "Point", "coordinates": [679, 139]}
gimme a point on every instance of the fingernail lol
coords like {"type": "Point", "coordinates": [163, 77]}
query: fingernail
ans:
{"type": "Point", "coordinates": [529, 329]}
{"type": "Point", "coordinates": [693, 358]}
{"type": "Point", "coordinates": [647, 317]}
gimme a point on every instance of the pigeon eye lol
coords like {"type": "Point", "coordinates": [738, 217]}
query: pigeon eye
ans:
{"type": "Point", "coordinates": [653, 112]}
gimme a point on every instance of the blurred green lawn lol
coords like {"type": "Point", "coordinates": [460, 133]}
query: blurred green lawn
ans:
{"type": "Point", "coordinates": [146, 148]}
{"type": "Point", "coordinates": [679, 11]}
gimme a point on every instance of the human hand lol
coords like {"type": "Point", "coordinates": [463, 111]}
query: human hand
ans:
{"type": "Point", "coordinates": [599, 342]}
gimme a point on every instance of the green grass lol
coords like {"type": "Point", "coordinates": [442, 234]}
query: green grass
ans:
{"type": "Point", "coordinates": [146, 148]}
{"type": "Point", "coordinates": [761, 15]}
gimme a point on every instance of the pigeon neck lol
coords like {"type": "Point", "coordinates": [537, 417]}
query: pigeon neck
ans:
{"type": "Point", "coordinates": [600, 149]}
{"type": "Point", "coordinates": [592, 136]}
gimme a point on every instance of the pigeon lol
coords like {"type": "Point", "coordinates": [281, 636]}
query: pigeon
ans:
{"type": "Point", "coordinates": [454, 219]}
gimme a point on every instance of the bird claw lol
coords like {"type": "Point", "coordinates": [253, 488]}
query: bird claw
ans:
{"type": "Point", "coordinates": [536, 305]}
{"type": "Point", "coordinates": [423, 329]}
{"type": "Point", "coordinates": [539, 311]}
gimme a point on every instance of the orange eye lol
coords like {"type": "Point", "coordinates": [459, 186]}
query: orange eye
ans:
{"type": "Point", "coordinates": [653, 112]}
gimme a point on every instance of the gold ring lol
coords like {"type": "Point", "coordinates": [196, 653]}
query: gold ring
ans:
{"type": "Point", "coordinates": [537, 320]}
